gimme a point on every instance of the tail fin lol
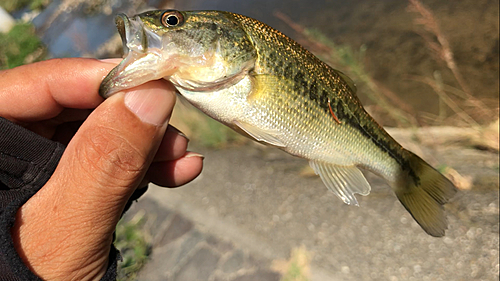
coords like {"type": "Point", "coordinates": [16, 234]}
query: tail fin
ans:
{"type": "Point", "coordinates": [423, 191]}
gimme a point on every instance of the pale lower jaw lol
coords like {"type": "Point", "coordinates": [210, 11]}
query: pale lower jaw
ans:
{"type": "Point", "coordinates": [143, 62]}
{"type": "Point", "coordinates": [136, 69]}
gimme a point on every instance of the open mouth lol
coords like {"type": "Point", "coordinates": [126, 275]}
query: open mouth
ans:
{"type": "Point", "coordinates": [123, 25]}
{"type": "Point", "coordinates": [150, 56]}
{"type": "Point", "coordinates": [134, 36]}
{"type": "Point", "coordinates": [142, 54]}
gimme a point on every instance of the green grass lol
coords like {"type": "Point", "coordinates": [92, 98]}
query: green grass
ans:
{"type": "Point", "coordinates": [296, 268]}
{"type": "Point", "coordinates": [14, 5]}
{"type": "Point", "coordinates": [133, 242]}
{"type": "Point", "coordinates": [202, 130]}
{"type": "Point", "coordinates": [294, 273]}
{"type": "Point", "coordinates": [212, 134]}
{"type": "Point", "coordinates": [20, 46]}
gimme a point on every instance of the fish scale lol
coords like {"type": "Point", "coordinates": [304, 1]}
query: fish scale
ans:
{"type": "Point", "coordinates": [309, 121]}
{"type": "Point", "coordinates": [297, 89]}
{"type": "Point", "coordinates": [267, 87]}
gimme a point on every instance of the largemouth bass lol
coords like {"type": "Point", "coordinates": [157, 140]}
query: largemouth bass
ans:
{"type": "Point", "coordinates": [264, 85]}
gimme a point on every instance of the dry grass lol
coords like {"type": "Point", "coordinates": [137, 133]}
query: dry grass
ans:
{"type": "Point", "coordinates": [458, 106]}
{"type": "Point", "coordinates": [489, 136]}
{"type": "Point", "coordinates": [427, 26]}
{"type": "Point", "coordinates": [462, 182]}
{"type": "Point", "coordinates": [351, 62]}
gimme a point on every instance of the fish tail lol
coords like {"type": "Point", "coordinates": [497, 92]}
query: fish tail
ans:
{"type": "Point", "coordinates": [423, 191]}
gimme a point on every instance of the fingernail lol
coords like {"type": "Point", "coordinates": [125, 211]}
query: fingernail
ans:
{"type": "Point", "coordinates": [184, 136]}
{"type": "Point", "coordinates": [112, 60]}
{"type": "Point", "coordinates": [152, 106]}
{"type": "Point", "coordinates": [177, 131]}
{"type": "Point", "coordinates": [190, 154]}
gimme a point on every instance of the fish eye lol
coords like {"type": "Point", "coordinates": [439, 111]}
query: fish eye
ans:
{"type": "Point", "coordinates": [172, 18]}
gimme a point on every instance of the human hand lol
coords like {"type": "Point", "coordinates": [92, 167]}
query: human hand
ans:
{"type": "Point", "coordinates": [65, 230]}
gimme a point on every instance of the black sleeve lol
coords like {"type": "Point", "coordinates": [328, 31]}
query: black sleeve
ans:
{"type": "Point", "coordinates": [27, 161]}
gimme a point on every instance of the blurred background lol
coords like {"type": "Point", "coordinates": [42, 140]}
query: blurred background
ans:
{"type": "Point", "coordinates": [428, 70]}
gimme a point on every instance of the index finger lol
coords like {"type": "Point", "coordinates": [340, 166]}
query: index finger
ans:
{"type": "Point", "coordinates": [42, 90]}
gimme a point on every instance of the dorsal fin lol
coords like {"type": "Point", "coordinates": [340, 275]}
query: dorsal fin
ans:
{"type": "Point", "coordinates": [348, 81]}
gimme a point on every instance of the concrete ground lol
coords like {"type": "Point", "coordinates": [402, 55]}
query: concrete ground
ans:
{"type": "Point", "coordinates": [252, 205]}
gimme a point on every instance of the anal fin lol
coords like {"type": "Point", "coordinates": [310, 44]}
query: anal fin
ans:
{"type": "Point", "coordinates": [343, 181]}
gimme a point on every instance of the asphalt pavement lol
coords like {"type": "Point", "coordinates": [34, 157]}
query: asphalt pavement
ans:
{"type": "Point", "coordinates": [252, 205]}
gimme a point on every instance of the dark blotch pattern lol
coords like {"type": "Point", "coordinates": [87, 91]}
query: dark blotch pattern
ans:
{"type": "Point", "coordinates": [300, 85]}
{"type": "Point", "coordinates": [323, 87]}
{"type": "Point", "coordinates": [323, 101]}
{"type": "Point", "coordinates": [288, 71]}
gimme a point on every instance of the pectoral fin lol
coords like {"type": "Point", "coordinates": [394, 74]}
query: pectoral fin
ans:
{"type": "Point", "coordinates": [344, 181]}
{"type": "Point", "coordinates": [267, 136]}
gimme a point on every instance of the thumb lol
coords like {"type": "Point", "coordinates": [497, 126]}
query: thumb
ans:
{"type": "Point", "coordinates": [100, 169]}
{"type": "Point", "coordinates": [110, 154]}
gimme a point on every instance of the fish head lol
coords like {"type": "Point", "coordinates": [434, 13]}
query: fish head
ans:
{"type": "Point", "coordinates": [198, 51]}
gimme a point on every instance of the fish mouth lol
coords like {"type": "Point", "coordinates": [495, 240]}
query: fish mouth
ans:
{"type": "Point", "coordinates": [151, 55]}
{"type": "Point", "coordinates": [142, 50]}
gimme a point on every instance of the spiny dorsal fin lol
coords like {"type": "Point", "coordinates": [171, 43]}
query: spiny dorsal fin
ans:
{"type": "Point", "coordinates": [348, 81]}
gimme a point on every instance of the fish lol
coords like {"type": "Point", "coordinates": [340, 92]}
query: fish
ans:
{"type": "Point", "coordinates": [264, 85]}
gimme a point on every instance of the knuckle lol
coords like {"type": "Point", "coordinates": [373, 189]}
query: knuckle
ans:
{"type": "Point", "coordinates": [109, 156]}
